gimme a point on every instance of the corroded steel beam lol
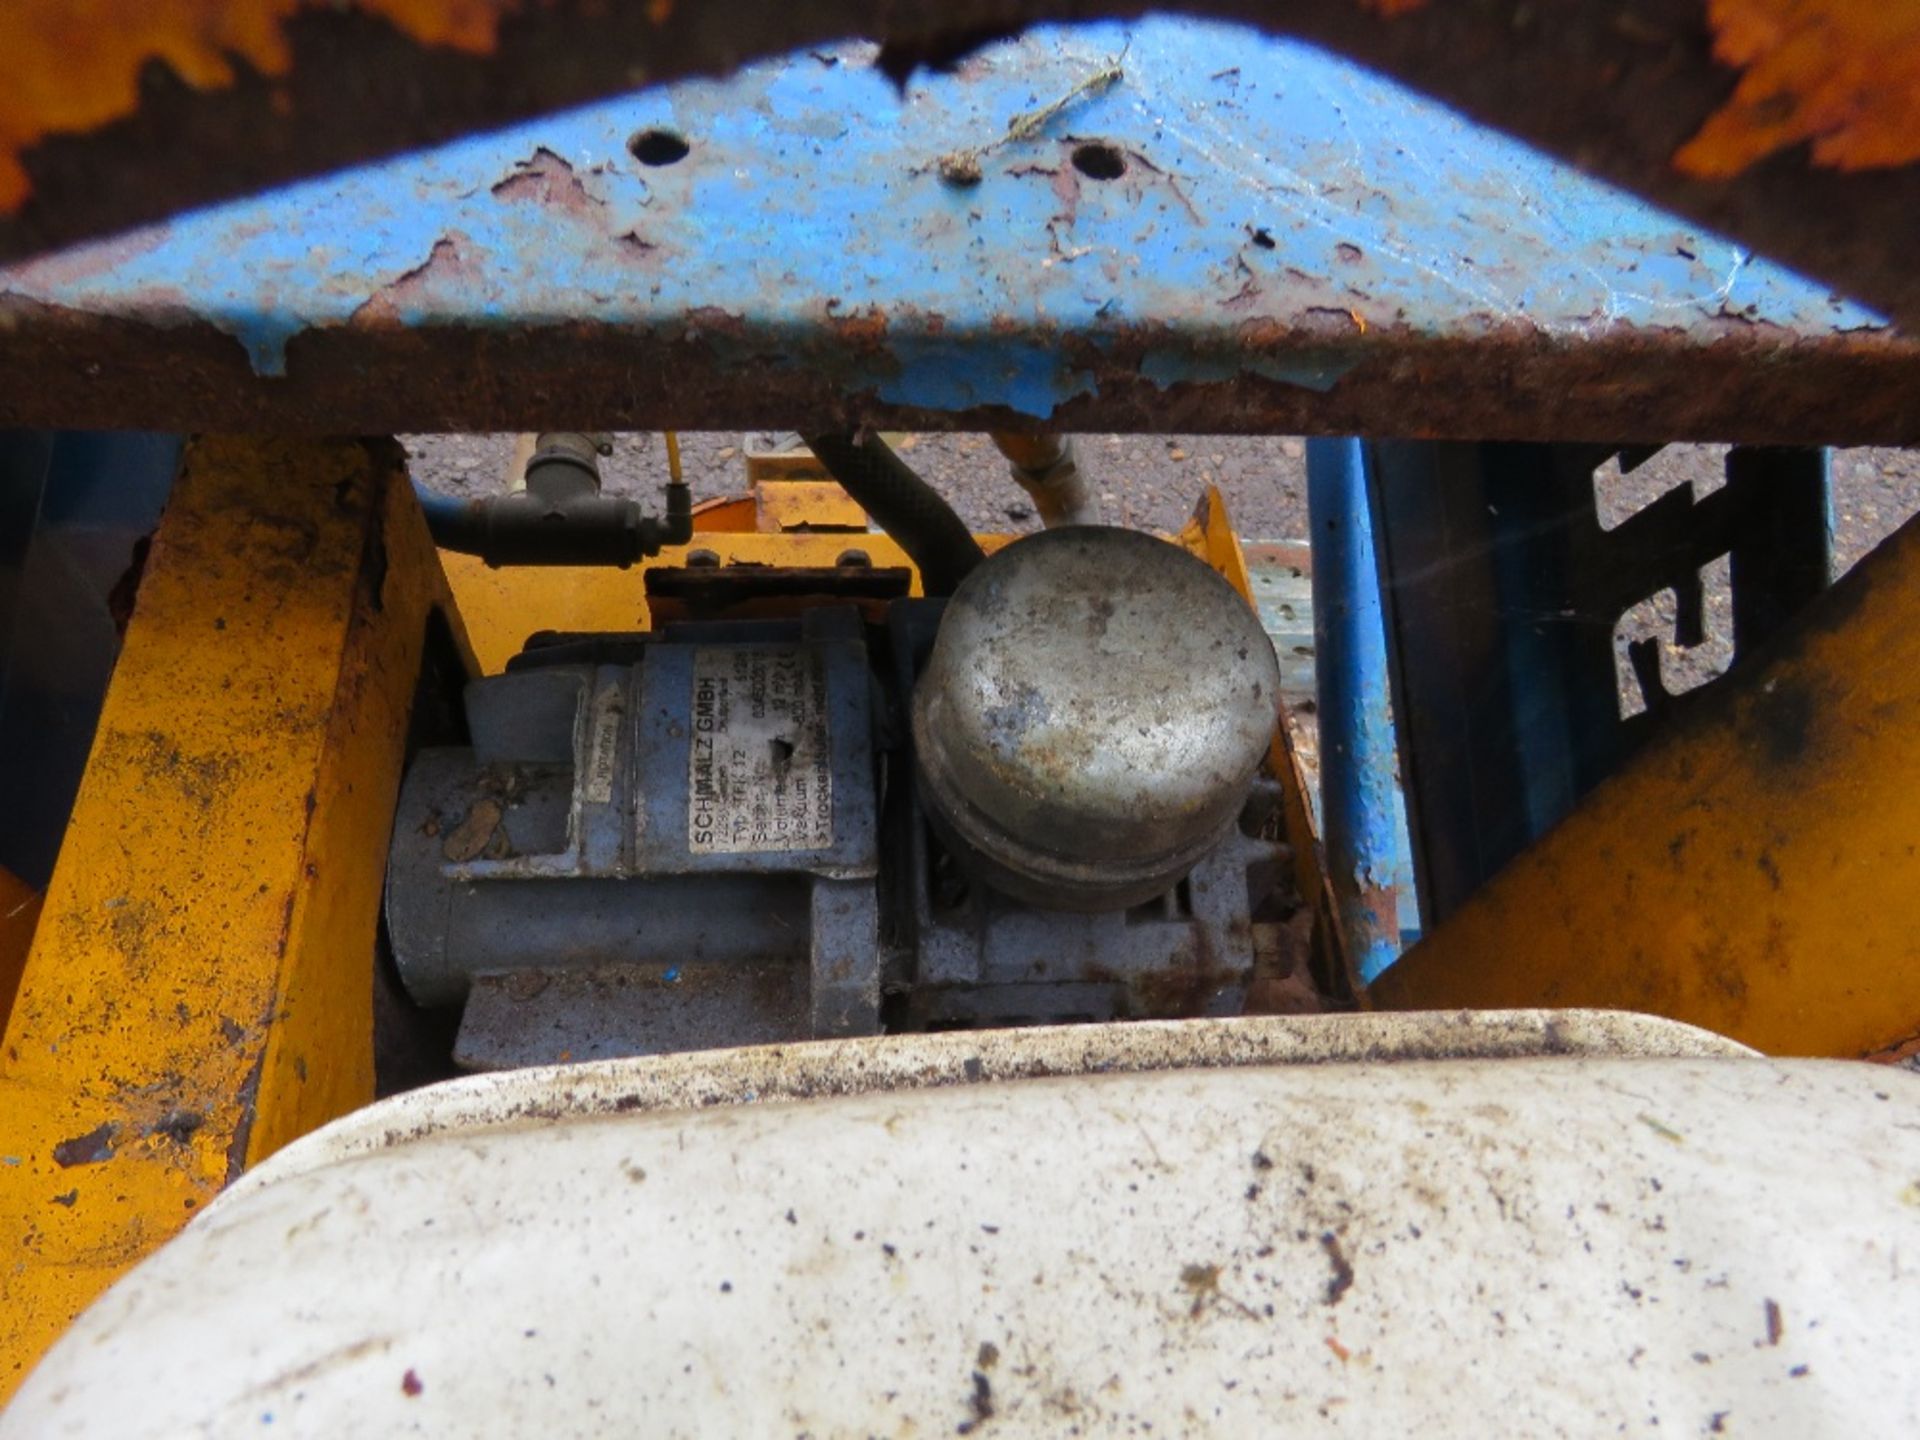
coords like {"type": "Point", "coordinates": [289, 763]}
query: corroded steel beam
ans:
{"type": "Point", "coordinates": [1790, 125]}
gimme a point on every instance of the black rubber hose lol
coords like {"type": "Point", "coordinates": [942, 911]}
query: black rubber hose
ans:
{"type": "Point", "coordinates": [903, 505]}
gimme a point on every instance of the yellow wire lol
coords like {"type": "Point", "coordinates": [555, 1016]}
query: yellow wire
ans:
{"type": "Point", "coordinates": [673, 456]}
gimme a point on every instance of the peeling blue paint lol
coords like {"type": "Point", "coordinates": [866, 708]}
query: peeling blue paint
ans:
{"type": "Point", "coordinates": [1266, 183]}
{"type": "Point", "coordinates": [955, 373]}
{"type": "Point", "coordinates": [1368, 853]}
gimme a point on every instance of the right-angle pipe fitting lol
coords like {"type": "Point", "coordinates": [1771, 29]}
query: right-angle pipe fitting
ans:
{"type": "Point", "coordinates": [561, 518]}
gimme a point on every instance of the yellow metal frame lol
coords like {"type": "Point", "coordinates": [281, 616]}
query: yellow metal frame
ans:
{"type": "Point", "coordinates": [199, 989]}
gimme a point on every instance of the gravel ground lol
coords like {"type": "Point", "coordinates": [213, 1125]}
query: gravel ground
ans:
{"type": "Point", "coordinates": [1147, 480]}
{"type": "Point", "coordinates": [1152, 481]}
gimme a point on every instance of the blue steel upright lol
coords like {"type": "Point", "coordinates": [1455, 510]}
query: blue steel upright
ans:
{"type": "Point", "coordinates": [1360, 816]}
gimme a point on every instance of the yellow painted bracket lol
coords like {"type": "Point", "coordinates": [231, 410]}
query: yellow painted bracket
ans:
{"type": "Point", "coordinates": [1755, 870]}
{"type": "Point", "coordinates": [806, 505]}
{"type": "Point", "coordinates": [502, 607]}
{"type": "Point", "coordinates": [200, 987]}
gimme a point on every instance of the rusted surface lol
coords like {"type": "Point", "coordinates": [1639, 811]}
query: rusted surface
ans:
{"type": "Point", "coordinates": [1309, 964]}
{"type": "Point", "coordinates": [1619, 86]}
{"type": "Point", "coordinates": [1260, 260]}
{"type": "Point", "coordinates": [1750, 384]}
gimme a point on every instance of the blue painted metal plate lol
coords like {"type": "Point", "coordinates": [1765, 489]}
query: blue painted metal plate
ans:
{"type": "Point", "coordinates": [1291, 241]}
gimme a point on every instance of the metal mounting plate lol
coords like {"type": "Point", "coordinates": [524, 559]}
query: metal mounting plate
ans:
{"type": "Point", "coordinates": [1291, 244]}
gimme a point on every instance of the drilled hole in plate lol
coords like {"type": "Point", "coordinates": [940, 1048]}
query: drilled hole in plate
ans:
{"type": "Point", "coordinates": [1098, 160]}
{"type": "Point", "coordinates": [659, 147]}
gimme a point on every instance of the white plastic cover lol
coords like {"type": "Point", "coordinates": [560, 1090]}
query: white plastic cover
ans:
{"type": "Point", "coordinates": [1229, 1244]}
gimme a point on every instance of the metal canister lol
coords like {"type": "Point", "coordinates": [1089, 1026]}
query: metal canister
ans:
{"type": "Point", "coordinates": [1094, 710]}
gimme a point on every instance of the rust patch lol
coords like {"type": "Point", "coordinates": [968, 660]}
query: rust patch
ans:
{"type": "Point", "coordinates": [547, 179]}
{"type": "Point", "coordinates": [1184, 990]}
{"type": "Point", "coordinates": [712, 368]}
{"type": "Point", "coordinates": [470, 838]}
{"type": "Point", "coordinates": [449, 262]}
{"type": "Point", "coordinates": [705, 320]}
{"type": "Point", "coordinates": [524, 985]}
{"type": "Point", "coordinates": [1896, 1053]}
{"type": "Point", "coordinates": [1841, 74]}
{"type": "Point", "coordinates": [333, 1359]}
{"type": "Point", "coordinates": [88, 1149]}
{"type": "Point", "coordinates": [1066, 190]}
{"type": "Point", "coordinates": [865, 327]}
{"type": "Point", "coordinates": [1281, 983]}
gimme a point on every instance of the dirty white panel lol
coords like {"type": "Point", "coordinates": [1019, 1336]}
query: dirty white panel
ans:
{"type": "Point", "coordinates": [1565, 1244]}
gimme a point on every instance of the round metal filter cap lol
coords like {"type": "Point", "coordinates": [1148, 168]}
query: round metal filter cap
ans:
{"type": "Point", "coordinates": [1094, 709]}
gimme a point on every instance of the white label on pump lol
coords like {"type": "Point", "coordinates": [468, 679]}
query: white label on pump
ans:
{"type": "Point", "coordinates": [759, 773]}
{"type": "Point", "coordinates": [603, 744]}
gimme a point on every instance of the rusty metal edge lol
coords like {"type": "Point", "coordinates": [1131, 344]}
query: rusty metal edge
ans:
{"type": "Point", "coordinates": [62, 368]}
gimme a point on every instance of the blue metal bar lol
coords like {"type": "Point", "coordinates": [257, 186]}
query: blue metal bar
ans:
{"type": "Point", "coordinates": [1085, 227]}
{"type": "Point", "coordinates": [1357, 748]}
